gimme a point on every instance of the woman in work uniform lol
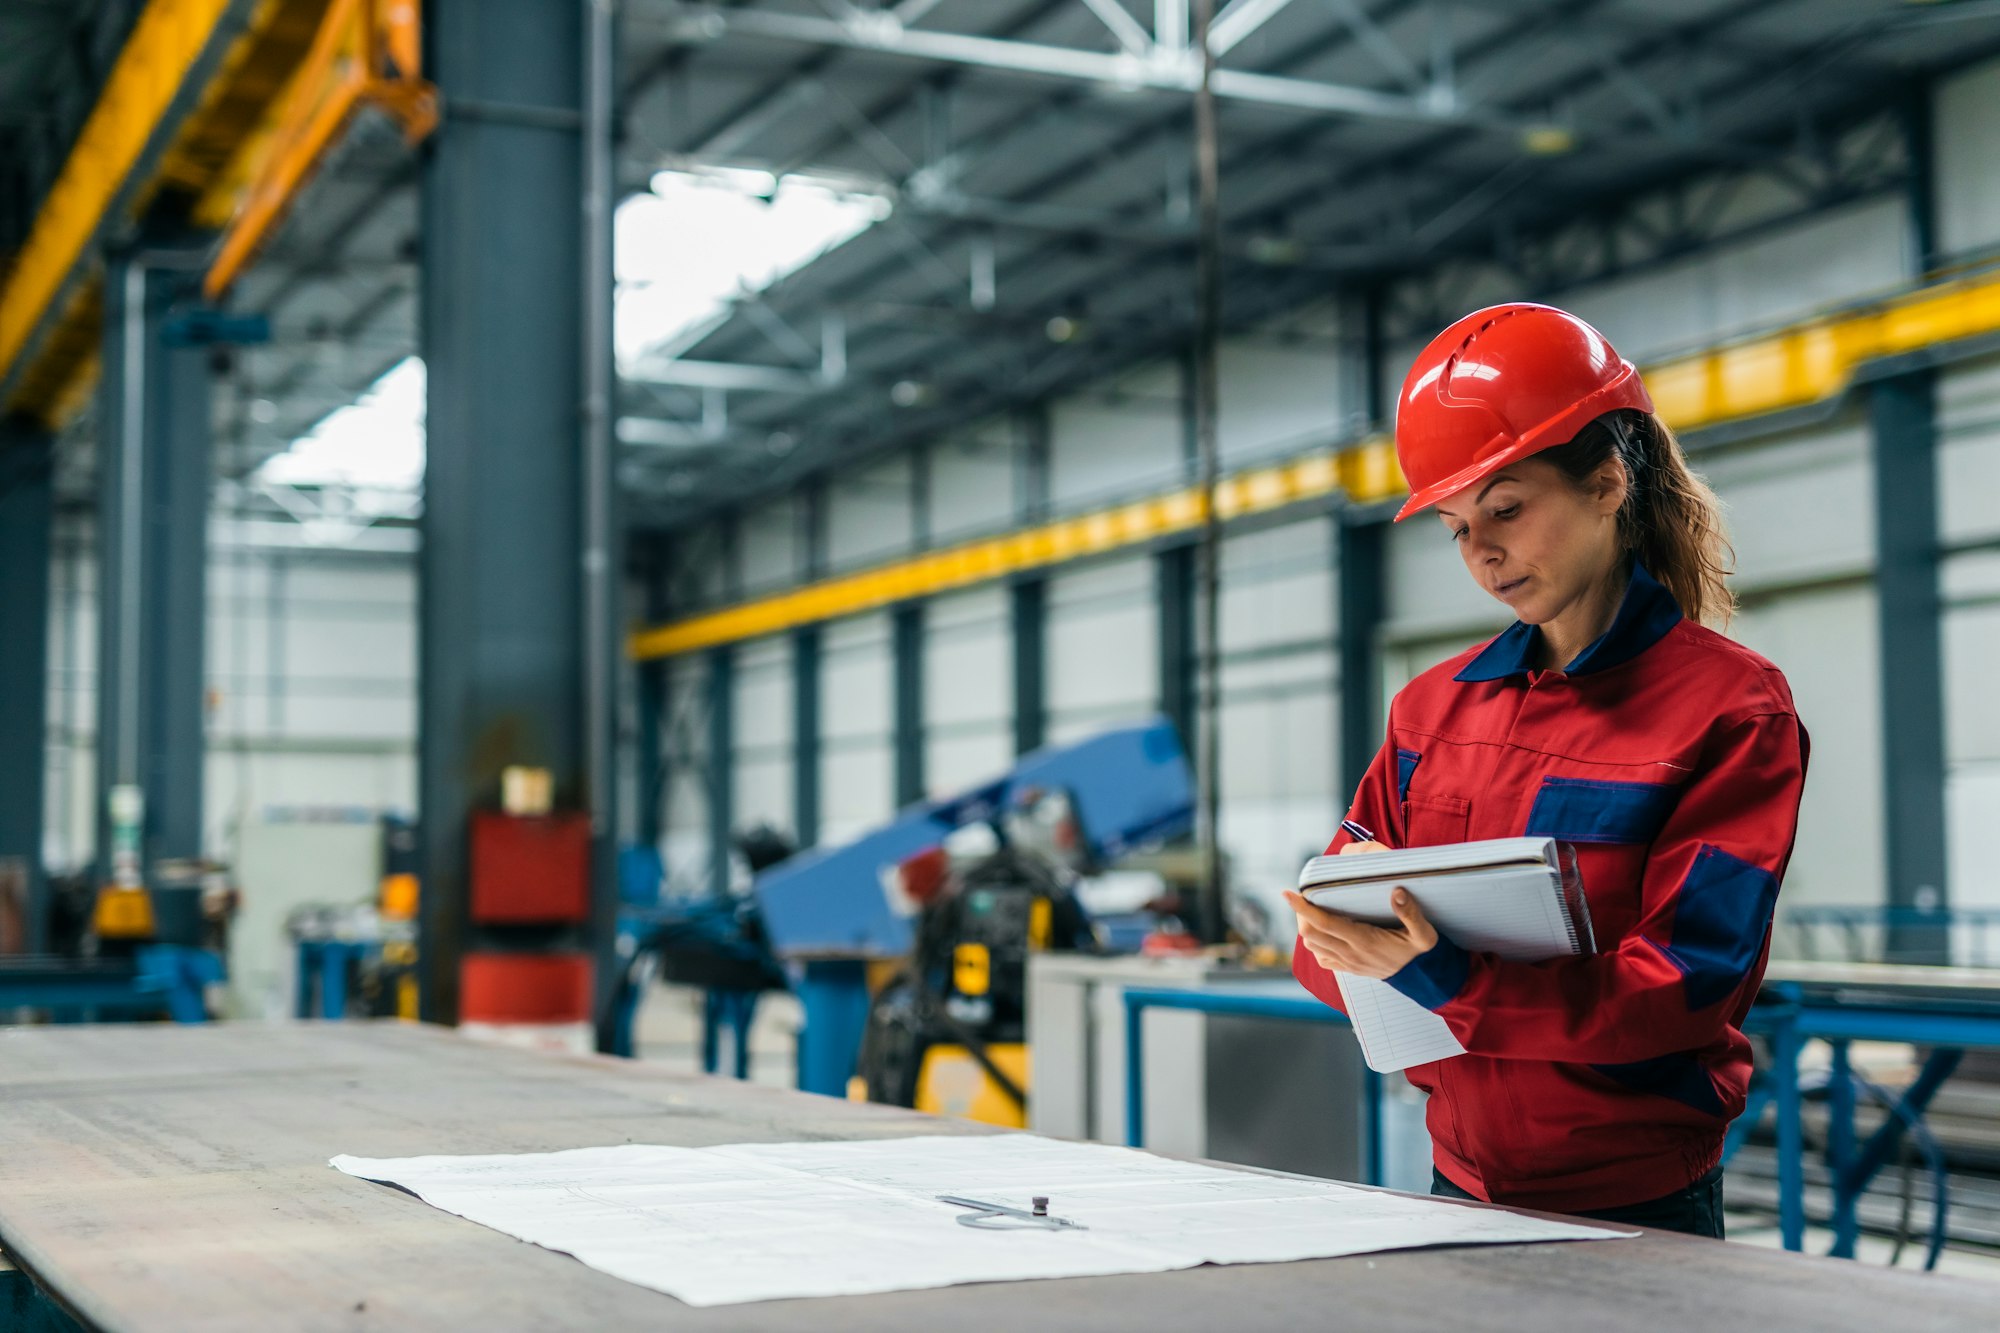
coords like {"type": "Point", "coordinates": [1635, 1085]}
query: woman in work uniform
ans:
{"type": "Point", "coordinates": [1608, 717]}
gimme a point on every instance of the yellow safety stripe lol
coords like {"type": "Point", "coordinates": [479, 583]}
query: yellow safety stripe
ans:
{"type": "Point", "coordinates": [1367, 471]}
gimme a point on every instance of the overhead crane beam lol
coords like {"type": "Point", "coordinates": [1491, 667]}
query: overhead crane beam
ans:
{"type": "Point", "coordinates": [204, 101]}
{"type": "Point", "coordinates": [173, 46]}
{"type": "Point", "coordinates": [367, 53]}
{"type": "Point", "coordinates": [1813, 362]}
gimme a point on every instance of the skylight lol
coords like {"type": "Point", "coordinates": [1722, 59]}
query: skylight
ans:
{"type": "Point", "coordinates": [374, 443]}
{"type": "Point", "coordinates": [699, 239]}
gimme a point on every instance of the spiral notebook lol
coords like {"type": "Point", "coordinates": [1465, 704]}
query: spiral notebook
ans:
{"type": "Point", "coordinates": [1519, 898]}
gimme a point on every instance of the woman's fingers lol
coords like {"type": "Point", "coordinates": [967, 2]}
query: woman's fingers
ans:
{"type": "Point", "coordinates": [1418, 926]}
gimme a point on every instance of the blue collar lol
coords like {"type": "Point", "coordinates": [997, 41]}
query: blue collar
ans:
{"type": "Point", "coordinates": [1643, 619]}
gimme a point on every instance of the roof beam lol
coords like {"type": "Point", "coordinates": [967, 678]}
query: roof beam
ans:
{"type": "Point", "coordinates": [1236, 23]}
{"type": "Point", "coordinates": [1164, 70]}
{"type": "Point", "coordinates": [1131, 34]}
{"type": "Point", "coordinates": [726, 375]}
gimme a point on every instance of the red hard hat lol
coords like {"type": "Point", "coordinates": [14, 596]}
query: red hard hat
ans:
{"type": "Point", "coordinates": [1500, 384]}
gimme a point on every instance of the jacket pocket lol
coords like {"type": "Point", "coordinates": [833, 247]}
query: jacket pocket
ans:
{"type": "Point", "coordinates": [1433, 819]}
{"type": "Point", "coordinates": [1585, 810]}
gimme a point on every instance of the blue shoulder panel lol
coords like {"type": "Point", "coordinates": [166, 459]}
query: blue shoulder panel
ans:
{"type": "Point", "coordinates": [1720, 920]}
{"type": "Point", "coordinates": [1585, 810]}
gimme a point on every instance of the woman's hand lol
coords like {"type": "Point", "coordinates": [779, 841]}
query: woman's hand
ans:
{"type": "Point", "coordinates": [1342, 944]}
{"type": "Point", "coordinates": [1353, 847]}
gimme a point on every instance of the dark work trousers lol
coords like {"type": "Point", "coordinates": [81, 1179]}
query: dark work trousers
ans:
{"type": "Point", "coordinates": [1696, 1210]}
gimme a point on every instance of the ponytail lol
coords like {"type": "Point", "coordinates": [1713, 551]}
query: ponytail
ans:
{"type": "Point", "coordinates": [1671, 521]}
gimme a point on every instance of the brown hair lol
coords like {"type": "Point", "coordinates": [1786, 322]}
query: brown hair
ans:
{"type": "Point", "coordinates": [1671, 521]}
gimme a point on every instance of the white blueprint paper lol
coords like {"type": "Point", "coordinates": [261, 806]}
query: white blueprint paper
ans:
{"type": "Point", "coordinates": [758, 1221]}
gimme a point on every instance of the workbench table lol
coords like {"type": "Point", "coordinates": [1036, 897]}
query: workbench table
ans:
{"type": "Point", "coordinates": [157, 1178]}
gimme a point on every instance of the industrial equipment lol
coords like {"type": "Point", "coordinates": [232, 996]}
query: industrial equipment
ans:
{"type": "Point", "coordinates": [830, 912]}
{"type": "Point", "coordinates": [166, 971]}
{"type": "Point", "coordinates": [947, 1033]}
{"type": "Point", "coordinates": [954, 895]}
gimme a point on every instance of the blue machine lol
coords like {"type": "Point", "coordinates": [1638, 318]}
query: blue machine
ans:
{"type": "Point", "coordinates": [831, 911]}
{"type": "Point", "coordinates": [1127, 787]}
{"type": "Point", "coordinates": [819, 918]}
{"type": "Point", "coordinates": [155, 977]}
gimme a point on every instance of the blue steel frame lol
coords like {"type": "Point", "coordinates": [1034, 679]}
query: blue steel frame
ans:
{"type": "Point", "coordinates": [1790, 1019]}
{"type": "Point", "coordinates": [162, 976]}
{"type": "Point", "coordinates": [326, 962]}
{"type": "Point", "coordinates": [1292, 1008]}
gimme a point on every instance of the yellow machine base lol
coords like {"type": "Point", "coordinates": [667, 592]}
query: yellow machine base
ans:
{"type": "Point", "coordinates": [953, 1083]}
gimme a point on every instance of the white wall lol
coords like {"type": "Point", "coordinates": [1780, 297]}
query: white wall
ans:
{"type": "Point", "coordinates": [310, 664]}
{"type": "Point", "coordinates": [968, 690]}
{"type": "Point", "coordinates": [1280, 737]}
{"type": "Point", "coordinates": [762, 722]}
{"type": "Point", "coordinates": [857, 775]}
{"type": "Point", "coordinates": [1103, 648]}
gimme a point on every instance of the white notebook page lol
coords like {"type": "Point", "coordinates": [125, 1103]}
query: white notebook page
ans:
{"type": "Point", "coordinates": [1516, 912]}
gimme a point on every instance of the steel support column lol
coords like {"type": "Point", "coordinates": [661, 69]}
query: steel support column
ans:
{"type": "Point", "coordinates": [1359, 563]}
{"type": "Point", "coordinates": [515, 535]}
{"type": "Point", "coordinates": [805, 734]}
{"type": "Point", "coordinates": [1174, 584]}
{"type": "Point", "coordinates": [1360, 541]}
{"type": "Point", "coordinates": [720, 775]}
{"type": "Point", "coordinates": [152, 541]}
{"type": "Point", "coordinates": [1903, 414]}
{"type": "Point", "coordinates": [907, 647]}
{"type": "Point", "coordinates": [26, 508]}
{"type": "Point", "coordinates": [1028, 610]}
{"type": "Point", "coordinates": [652, 700]}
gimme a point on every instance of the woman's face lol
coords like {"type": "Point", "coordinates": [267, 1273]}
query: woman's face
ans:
{"type": "Point", "coordinates": [1536, 540]}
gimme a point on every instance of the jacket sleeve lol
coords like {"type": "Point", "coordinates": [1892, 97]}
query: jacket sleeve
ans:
{"type": "Point", "coordinates": [1672, 984]}
{"type": "Point", "coordinates": [1378, 805]}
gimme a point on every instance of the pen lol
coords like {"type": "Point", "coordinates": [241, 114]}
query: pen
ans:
{"type": "Point", "coordinates": [1359, 832]}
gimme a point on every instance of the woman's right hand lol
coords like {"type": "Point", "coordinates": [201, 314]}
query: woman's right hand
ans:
{"type": "Point", "coordinates": [1353, 847]}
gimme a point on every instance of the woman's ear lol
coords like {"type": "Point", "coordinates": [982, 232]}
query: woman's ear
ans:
{"type": "Point", "coordinates": [1609, 485]}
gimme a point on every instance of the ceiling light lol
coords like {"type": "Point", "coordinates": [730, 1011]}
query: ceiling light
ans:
{"type": "Point", "coordinates": [1548, 140]}
{"type": "Point", "coordinates": [1063, 329]}
{"type": "Point", "coordinates": [909, 393]}
{"type": "Point", "coordinates": [1276, 250]}
{"type": "Point", "coordinates": [781, 442]}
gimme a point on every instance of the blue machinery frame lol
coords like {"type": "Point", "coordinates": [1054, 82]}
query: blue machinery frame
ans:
{"type": "Point", "coordinates": [1787, 1015]}
{"type": "Point", "coordinates": [158, 976]}
{"type": "Point", "coordinates": [1790, 1015]}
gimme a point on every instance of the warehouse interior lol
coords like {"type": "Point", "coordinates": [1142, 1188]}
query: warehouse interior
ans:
{"type": "Point", "coordinates": [847, 546]}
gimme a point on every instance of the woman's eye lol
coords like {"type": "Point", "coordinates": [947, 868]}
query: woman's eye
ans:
{"type": "Point", "coordinates": [1458, 534]}
{"type": "Point", "coordinates": [1509, 512]}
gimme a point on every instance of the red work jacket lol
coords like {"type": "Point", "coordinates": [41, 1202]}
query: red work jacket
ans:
{"type": "Point", "coordinates": [1672, 759]}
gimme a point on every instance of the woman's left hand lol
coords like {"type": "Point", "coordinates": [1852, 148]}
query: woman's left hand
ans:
{"type": "Point", "coordinates": [1342, 944]}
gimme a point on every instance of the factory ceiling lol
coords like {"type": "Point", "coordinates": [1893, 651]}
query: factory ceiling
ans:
{"type": "Point", "coordinates": [1032, 164]}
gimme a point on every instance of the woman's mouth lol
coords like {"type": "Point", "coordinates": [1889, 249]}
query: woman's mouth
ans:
{"type": "Point", "coordinates": [1505, 590]}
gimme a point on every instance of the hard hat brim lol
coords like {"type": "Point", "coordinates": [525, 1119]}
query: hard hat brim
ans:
{"type": "Point", "coordinates": [1627, 391]}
